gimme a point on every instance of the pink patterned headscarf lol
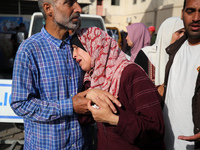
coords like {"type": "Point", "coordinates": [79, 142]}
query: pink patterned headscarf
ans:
{"type": "Point", "coordinates": [140, 37]}
{"type": "Point", "coordinates": [107, 60]}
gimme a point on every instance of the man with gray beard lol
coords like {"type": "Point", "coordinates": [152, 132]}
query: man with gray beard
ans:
{"type": "Point", "coordinates": [46, 80]}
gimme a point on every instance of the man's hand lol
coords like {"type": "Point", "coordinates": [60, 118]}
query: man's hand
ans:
{"type": "Point", "coordinates": [195, 137]}
{"type": "Point", "coordinates": [80, 103]}
{"type": "Point", "coordinates": [93, 94]}
{"type": "Point", "coordinates": [104, 113]}
{"type": "Point", "coordinates": [161, 89]}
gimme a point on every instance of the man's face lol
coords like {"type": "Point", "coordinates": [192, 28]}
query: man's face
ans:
{"type": "Point", "coordinates": [67, 14]}
{"type": "Point", "coordinates": [191, 19]}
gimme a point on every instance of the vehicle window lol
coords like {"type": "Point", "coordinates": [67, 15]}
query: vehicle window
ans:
{"type": "Point", "coordinates": [38, 24]}
{"type": "Point", "coordinates": [9, 43]}
{"type": "Point", "coordinates": [85, 23]}
{"type": "Point", "coordinates": [89, 22]}
{"type": "Point", "coordinates": [7, 53]}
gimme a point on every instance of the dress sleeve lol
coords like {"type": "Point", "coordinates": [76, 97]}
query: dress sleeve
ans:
{"type": "Point", "coordinates": [26, 101]}
{"type": "Point", "coordinates": [142, 123]}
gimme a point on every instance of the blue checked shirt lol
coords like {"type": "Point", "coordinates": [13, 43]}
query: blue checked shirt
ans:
{"type": "Point", "coordinates": [45, 78]}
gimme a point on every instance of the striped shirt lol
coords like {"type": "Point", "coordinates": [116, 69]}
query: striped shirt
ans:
{"type": "Point", "coordinates": [45, 78]}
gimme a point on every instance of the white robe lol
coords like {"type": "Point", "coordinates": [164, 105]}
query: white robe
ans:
{"type": "Point", "coordinates": [178, 103]}
{"type": "Point", "coordinates": [156, 53]}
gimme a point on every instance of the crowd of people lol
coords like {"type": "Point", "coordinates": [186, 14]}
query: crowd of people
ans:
{"type": "Point", "coordinates": [66, 78]}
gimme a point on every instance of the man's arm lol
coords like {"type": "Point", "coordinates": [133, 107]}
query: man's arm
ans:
{"type": "Point", "coordinates": [80, 103]}
{"type": "Point", "coordinates": [26, 99]}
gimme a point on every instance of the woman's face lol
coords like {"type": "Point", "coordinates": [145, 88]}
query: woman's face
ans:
{"type": "Point", "coordinates": [82, 58]}
{"type": "Point", "coordinates": [177, 35]}
{"type": "Point", "coordinates": [129, 42]}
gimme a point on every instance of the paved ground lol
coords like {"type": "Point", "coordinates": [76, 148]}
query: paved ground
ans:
{"type": "Point", "coordinates": [9, 133]}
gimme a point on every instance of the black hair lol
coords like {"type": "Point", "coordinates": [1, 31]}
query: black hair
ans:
{"type": "Point", "coordinates": [184, 4]}
{"type": "Point", "coordinates": [75, 41]}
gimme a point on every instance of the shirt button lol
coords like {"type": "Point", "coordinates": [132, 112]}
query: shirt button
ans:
{"type": "Point", "coordinates": [70, 77]}
{"type": "Point", "coordinates": [73, 145]}
{"type": "Point", "coordinates": [72, 129]}
{"type": "Point", "coordinates": [71, 95]}
{"type": "Point", "coordinates": [198, 129]}
{"type": "Point", "coordinates": [67, 59]}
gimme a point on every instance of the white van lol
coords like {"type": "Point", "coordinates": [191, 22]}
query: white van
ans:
{"type": "Point", "coordinates": [37, 22]}
{"type": "Point", "coordinates": [6, 63]}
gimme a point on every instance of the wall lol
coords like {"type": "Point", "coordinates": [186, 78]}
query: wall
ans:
{"type": "Point", "coordinates": [150, 12]}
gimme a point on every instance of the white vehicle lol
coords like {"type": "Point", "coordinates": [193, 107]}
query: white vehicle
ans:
{"type": "Point", "coordinates": [37, 22]}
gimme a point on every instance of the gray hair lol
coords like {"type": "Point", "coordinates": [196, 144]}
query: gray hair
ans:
{"type": "Point", "coordinates": [40, 5]}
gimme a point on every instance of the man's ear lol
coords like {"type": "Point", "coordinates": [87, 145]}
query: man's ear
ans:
{"type": "Point", "coordinates": [48, 9]}
{"type": "Point", "coordinates": [182, 14]}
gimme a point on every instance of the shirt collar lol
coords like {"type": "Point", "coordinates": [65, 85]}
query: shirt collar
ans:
{"type": "Point", "coordinates": [55, 41]}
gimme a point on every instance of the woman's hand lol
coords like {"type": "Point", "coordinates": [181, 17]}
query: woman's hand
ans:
{"type": "Point", "coordinates": [161, 89]}
{"type": "Point", "coordinates": [103, 113]}
{"type": "Point", "coordinates": [108, 98]}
